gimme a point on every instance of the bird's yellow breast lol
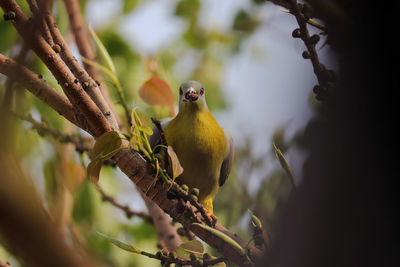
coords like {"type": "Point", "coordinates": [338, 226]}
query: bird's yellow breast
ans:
{"type": "Point", "coordinates": [200, 144]}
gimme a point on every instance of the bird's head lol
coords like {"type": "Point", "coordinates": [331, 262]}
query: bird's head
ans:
{"type": "Point", "coordinates": [192, 96]}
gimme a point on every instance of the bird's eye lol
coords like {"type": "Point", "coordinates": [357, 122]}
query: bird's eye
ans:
{"type": "Point", "coordinates": [180, 91]}
{"type": "Point", "coordinates": [202, 91]}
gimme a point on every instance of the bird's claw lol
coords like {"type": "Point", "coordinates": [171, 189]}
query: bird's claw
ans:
{"type": "Point", "coordinates": [212, 216]}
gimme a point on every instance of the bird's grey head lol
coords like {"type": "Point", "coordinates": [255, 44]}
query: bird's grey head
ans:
{"type": "Point", "coordinates": [192, 94]}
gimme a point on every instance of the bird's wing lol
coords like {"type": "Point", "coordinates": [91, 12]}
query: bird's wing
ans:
{"type": "Point", "coordinates": [155, 138]}
{"type": "Point", "coordinates": [227, 163]}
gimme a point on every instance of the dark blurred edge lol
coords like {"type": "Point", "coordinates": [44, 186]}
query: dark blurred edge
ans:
{"type": "Point", "coordinates": [345, 211]}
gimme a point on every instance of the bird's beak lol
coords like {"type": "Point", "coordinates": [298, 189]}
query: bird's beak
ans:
{"type": "Point", "coordinates": [191, 95]}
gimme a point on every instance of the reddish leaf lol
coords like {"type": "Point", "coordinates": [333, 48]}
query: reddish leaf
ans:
{"type": "Point", "coordinates": [156, 91]}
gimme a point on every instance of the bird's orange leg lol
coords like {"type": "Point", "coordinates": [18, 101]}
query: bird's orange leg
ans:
{"type": "Point", "coordinates": [208, 206]}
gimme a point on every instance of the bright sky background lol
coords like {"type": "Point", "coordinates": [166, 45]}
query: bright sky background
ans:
{"type": "Point", "coordinates": [267, 83]}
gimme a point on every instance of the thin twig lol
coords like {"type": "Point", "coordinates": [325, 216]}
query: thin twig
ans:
{"type": "Point", "coordinates": [303, 15]}
{"type": "Point", "coordinates": [125, 208]}
{"type": "Point", "coordinates": [44, 129]}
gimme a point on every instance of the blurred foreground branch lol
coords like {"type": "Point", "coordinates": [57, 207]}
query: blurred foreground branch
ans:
{"type": "Point", "coordinates": [25, 224]}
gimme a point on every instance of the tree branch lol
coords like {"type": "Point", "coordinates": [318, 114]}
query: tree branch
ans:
{"type": "Point", "coordinates": [82, 39]}
{"type": "Point", "coordinates": [87, 82]}
{"type": "Point", "coordinates": [166, 232]}
{"type": "Point", "coordinates": [25, 224]}
{"type": "Point", "coordinates": [141, 173]}
{"type": "Point", "coordinates": [38, 87]}
{"type": "Point", "coordinates": [303, 14]}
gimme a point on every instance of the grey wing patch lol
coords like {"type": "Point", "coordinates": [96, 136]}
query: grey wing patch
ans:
{"type": "Point", "coordinates": [155, 138]}
{"type": "Point", "coordinates": [227, 163]}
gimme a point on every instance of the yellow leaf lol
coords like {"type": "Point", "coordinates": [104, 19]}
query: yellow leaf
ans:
{"type": "Point", "coordinates": [93, 170]}
{"type": "Point", "coordinates": [185, 249]}
{"type": "Point", "coordinates": [122, 245]}
{"type": "Point", "coordinates": [193, 246]}
{"type": "Point", "coordinates": [156, 91]}
{"type": "Point", "coordinates": [176, 165]}
{"type": "Point", "coordinates": [145, 129]}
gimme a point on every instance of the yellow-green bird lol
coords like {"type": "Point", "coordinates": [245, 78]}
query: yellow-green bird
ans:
{"type": "Point", "coordinates": [204, 149]}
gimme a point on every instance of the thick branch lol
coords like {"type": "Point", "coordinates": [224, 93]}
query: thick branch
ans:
{"type": "Point", "coordinates": [167, 235]}
{"type": "Point", "coordinates": [141, 173]}
{"type": "Point", "coordinates": [25, 225]}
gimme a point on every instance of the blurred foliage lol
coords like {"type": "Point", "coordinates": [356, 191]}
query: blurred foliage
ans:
{"type": "Point", "coordinates": [86, 213]}
{"type": "Point", "coordinates": [244, 22]}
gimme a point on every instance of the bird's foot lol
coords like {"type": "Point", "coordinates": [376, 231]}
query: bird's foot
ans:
{"type": "Point", "coordinates": [212, 216]}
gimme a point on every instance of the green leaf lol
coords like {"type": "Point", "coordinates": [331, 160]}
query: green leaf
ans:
{"type": "Point", "coordinates": [284, 164]}
{"type": "Point", "coordinates": [187, 9]}
{"type": "Point", "coordinates": [245, 22]}
{"type": "Point", "coordinates": [254, 219]}
{"type": "Point", "coordinates": [128, 247]}
{"type": "Point", "coordinates": [176, 165]}
{"type": "Point", "coordinates": [106, 144]}
{"type": "Point", "coordinates": [103, 50]}
{"type": "Point", "coordinates": [129, 5]}
{"type": "Point", "coordinates": [105, 147]}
